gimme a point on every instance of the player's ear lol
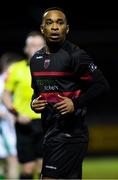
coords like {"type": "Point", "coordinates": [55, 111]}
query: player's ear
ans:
{"type": "Point", "coordinates": [67, 29]}
{"type": "Point", "coordinates": [41, 28]}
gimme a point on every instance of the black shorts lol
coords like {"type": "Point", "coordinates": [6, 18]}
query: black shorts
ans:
{"type": "Point", "coordinates": [63, 160]}
{"type": "Point", "coordinates": [29, 141]}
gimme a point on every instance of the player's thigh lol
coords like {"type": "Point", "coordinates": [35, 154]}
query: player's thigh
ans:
{"type": "Point", "coordinates": [63, 159]}
{"type": "Point", "coordinates": [25, 148]}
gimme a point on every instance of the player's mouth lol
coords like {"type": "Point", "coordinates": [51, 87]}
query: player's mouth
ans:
{"type": "Point", "coordinates": [54, 36]}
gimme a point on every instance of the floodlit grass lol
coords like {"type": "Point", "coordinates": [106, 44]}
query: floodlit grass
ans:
{"type": "Point", "coordinates": [100, 168]}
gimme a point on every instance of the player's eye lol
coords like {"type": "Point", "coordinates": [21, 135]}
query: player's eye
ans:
{"type": "Point", "coordinates": [48, 22]}
{"type": "Point", "coordinates": [60, 22]}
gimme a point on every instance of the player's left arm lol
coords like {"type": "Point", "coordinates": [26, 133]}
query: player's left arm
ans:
{"type": "Point", "coordinates": [92, 79]}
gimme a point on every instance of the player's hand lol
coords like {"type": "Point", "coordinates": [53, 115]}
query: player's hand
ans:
{"type": "Point", "coordinates": [38, 104]}
{"type": "Point", "coordinates": [65, 106]}
{"type": "Point", "coordinates": [22, 119]}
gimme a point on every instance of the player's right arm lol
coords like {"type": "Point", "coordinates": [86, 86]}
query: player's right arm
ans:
{"type": "Point", "coordinates": [7, 96]}
{"type": "Point", "coordinates": [23, 119]}
{"type": "Point", "coordinates": [8, 102]}
{"type": "Point", "coordinates": [9, 89]}
{"type": "Point", "coordinates": [38, 104]}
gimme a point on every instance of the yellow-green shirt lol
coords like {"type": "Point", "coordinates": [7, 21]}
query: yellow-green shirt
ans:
{"type": "Point", "coordinates": [19, 82]}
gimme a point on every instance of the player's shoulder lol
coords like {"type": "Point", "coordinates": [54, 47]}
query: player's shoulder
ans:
{"type": "Point", "coordinates": [78, 54]}
{"type": "Point", "coordinates": [39, 54]}
{"type": "Point", "coordinates": [18, 64]}
{"type": "Point", "coordinates": [72, 48]}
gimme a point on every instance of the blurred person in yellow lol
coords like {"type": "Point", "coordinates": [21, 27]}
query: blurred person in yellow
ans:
{"type": "Point", "coordinates": [8, 152]}
{"type": "Point", "coordinates": [28, 124]}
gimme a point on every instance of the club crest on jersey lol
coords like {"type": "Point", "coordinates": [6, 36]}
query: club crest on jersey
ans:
{"type": "Point", "coordinates": [92, 67]}
{"type": "Point", "coordinates": [46, 63]}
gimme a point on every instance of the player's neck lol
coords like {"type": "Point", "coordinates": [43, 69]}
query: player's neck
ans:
{"type": "Point", "coordinates": [54, 46]}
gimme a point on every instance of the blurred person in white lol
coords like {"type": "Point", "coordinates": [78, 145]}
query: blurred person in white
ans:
{"type": "Point", "coordinates": [8, 150]}
{"type": "Point", "coordinates": [28, 124]}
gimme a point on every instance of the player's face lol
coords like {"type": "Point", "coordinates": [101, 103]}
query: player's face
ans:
{"type": "Point", "coordinates": [33, 44]}
{"type": "Point", "coordinates": [54, 26]}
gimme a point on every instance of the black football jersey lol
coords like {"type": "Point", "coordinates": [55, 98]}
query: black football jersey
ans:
{"type": "Point", "coordinates": [69, 72]}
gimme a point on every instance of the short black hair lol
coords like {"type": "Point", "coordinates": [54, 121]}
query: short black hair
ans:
{"type": "Point", "coordinates": [54, 8]}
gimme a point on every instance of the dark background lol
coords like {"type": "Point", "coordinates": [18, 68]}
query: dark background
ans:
{"type": "Point", "coordinates": [93, 26]}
